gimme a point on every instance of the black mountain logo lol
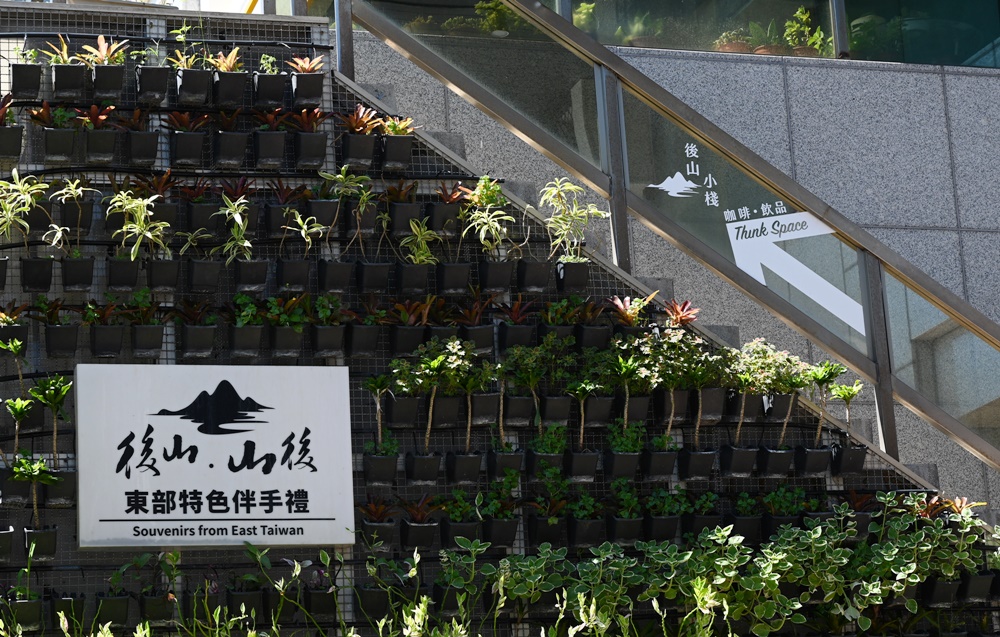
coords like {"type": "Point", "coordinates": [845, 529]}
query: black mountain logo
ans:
{"type": "Point", "coordinates": [222, 407]}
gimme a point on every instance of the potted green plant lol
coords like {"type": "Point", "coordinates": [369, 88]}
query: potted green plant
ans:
{"type": "Point", "coordinates": [26, 75]}
{"type": "Point", "coordinates": [397, 142]}
{"type": "Point", "coordinates": [142, 313]}
{"type": "Point", "coordinates": [157, 602]}
{"type": "Point", "coordinates": [549, 521]}
{"type": "Point", "coordinates": [112, 606]}
{"type": "Point", "coordinates": [197, 324]}
{"type": "Point", "coordinates": [790, 376]}
{"type": "Point", "coordinates": [412, 276]}
{"type": "Point", "coordinates": [328, 320]}
{"type": "Point", "coordinates": [626, 440]}
{"type": "Point", "coordinates": [310, 141]}
{"type": "Point", "coordinates": [848, 457]}
{"type": "Point", "coordinates": [380, 455]}
{"type": "Point", "coordinates": [11, 133]}
{"type": "Point", "coordinates": [230, 79]}
{"type": "Point", "coordinates": [246, 334]}
{"type": "Point", "coordinates": [559, 317]}
{"type": "Point", "coordinates": [60, 335]}
{"type": "Point", "coordinates": [106, 62]}
{"type": "Point", "coordinates": [269, 83]}
{"type": "Point", "coordinates": [25, 605]}
{"type": "Point", "coordinates": [251, 275]}
{"type": "Point", "coordinates": [378, 526]}
{"type": "Point", "coordinates": [77, 271]}
{"type": "Point", "coordinates": [230, 143]}
{"type": "Point", "coordinates": [51, 392]}
{"type": "Point", "coordinates": [278, 214]}
{"type": "Point", "coordinates": [151, 79]}
{"type": "Point", "coordinates": [357, 147]}
{"type": "Point", "coordinates": [547, 448]}
{"type": "Point", "coordinates": [141, 236]}
{"type": "Point", "coordinates": [767, 41]}
{"type": "Point", "coordinates": [269, 138]}
{"type": "Point", "coordinates": [627, 314]}
{"type": "Point", "coordinates": [625, 524]}
{"type": "Point", "coordinates": [107, 328]}
{"type": "Point", "coordinates": [567, 221]}
{"type": "Point", "coordinates": [515, 328]}
{"type": "Point", "coordinates": [187, 139]}
{"type": "Point", "coordinates": [663, 514]}
{"type": "Point", "coordinates": [734, 41]}
{"type": "Point", "coordinates": [705, 514]}
{"type": "Point", "coordinates": [462, 519]}
{"type": "Point", "coordinates": [706, 369]}
{"type": "Point", "coordinates": [35, 472]}
{"type": "Point", "coordinates": [98, 134]}
{"type": "Point", "coordinates": [746, 518]}
{"type": "Point", "coordinates": [472, 326]}
{"type": "Point", "coordinates": [815, 460]}
{"type": "Point", "coordinates": [754, 370]}
{"type": "Point", "coordinates": [444, 213]}
{"type": "Point", "coordinates": [464, 467]}
{"type": "Point", "coordinates": [805, 40]}
{"type": "Point", "coordinates": [59, 126]}
{"type": "Point", "coordinates": [194, 82]}
{"type": "Point", "coordinates": [783, 505]}
{"type": "Point", "coordinates": [307, 81]}
{"type": "Point", "coordinates": [585, 516]}
{"type": "Point", "coordinates": [287, 319]}
{"type": "Point", "coordinates": [141, 145]}
{"type": "Point", "coordinates": [499, 510]}
{"type": "Point", "coordinates": [484, 215]}
{"type": "Point", "coordinates": [419, 526]}
{"type": "Point", "coordinates": [68, 72]}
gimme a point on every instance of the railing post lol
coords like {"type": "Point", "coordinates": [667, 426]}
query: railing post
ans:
{"type": "Point", "coordinates": [614, 165]}
{"type": "Point", "coordinates": [841, 30]}
{"type": "Point", "coordinates": [344, 11]}
{"type": "Point", "coordinates": [878, 328]}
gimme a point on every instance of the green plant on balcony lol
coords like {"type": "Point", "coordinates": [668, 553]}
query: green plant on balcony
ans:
{"type": "Point", "coordinates": [799, 32]}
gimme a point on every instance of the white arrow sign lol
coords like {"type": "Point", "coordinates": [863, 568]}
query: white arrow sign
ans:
{"type": "Point", "coordinates": [753, 244]}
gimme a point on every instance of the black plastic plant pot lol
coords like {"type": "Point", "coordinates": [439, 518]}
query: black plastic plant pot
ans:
{"type": "Point", "coordinates": [511, 335]}
{"type": "Point", "coordinates": [141, 147]}
{"type": "Point", "coordinates": [106, 340]}
{"type": "Point", "coordinates": [584, 533]}
{"type": "Point", "coordinates": [113, 610]}
{"type": "Point", "coordinates": [25, 81]}
{"type": "Point", "coordinates": [77, 274]}
{"type": "Point", "coordinates": [404, 339]}
{"type": "Point", "coordinates": [451, 530]}
{"type": "Point", "coordinates": [401, 412]}
{"type": "Point", "coordinates": [638, 408]}
{"type": "Point", "coordinates": [596, 336]}
{"type": "Point", "coordinates": [357, 151]}
{"type": "Point", "coordinates": [695, 464]}
{"type": "Point", "coordinates": [412, 279]}
{"type": "Point", "coordinates": [556, 408]}
{"type": "Point", "coordinates": [36, 274]}
{"type": "Point", "coordinates": [371, 602]}
{"type": "Point", "coordinates": [580, 466]}
{"type": "Point", "coordinates": [197, 341]}
{"type": "Point", "coordinates": [158, 610]}
{"type": "Point", "coordinates": [656, 465]}
{"type": "Point", "coordinates": [44, 540]}
{"type": "Point", "coordinates": [100, 146]}
{"type": "Point", "coordinates": [737, 462]}
{"type": "Point", "coordinates": [310, 150]}
{"type": "Point", "coordinates": [620, 465]}
{"type": "Point", "coordinates": [661, 404]}
{"type": "Point", "coordinates": [246, 340]}
{"type": "Point", "coordinates": [542, 529]}
{"type": "Point", "coordinates": [328, 340]}
{"type": "Point", "coordinates": [61, 494]}
{"type": "Point", "coordinates": [418, 535]}
{"type": "Point", "coordinates": [251, 276]}
{"type": "Point", "coordinates": [269, 89]}
{"type": "Point", "coordinates": [147, 341]}
{"type": "Point", "coordinates": [163, 276]}
{"type": "Point", "coordinates": [533, 276]}
{"type": "Point", "coordinates": [61, 340]}
{"type": "Point", "coordinates": [400, 216]}
{"type": "Point", "coordinates": [152, 83]}
{"type": "Point", "coordinates": [204, 275]}
{"type": "Point", "coordinates": [373, 277]}
{"type": "Point", "coordinates": [16, 494]}
{"type": "Point", "coordinates": [779, 406]}
{"type": "Point", "coordinates": [72, 606]}
{"type": "Point", "coordinates": [10, 142]}
{"type": "Point", "coordinates": [252, 601]}
{"type": "Point", "coordinates": [230, 149]}
{"type": "Point", "coordinates": [396, 152]}
{"type": "Point", "coordinates": [659, 528]}
{"type": "Point", "coordinates": [40, 216]}
{"type": "Point", "coordinates": [481, 337]}
{"type": "Point", "coordinates": [373, 533]}
{"type": "Point", "coordinates": [187, 148]}
{"type": "Point", "coordinates": [453, 278]}
{"type": "Point", "coordinates": [696, 522]}
{"type": "Point", "coordinates": [849, 459]}
{"type": "Point", "coordinates": [194, 87]}
{"type": "Point", "coordinates": [59, 145]}
{"type": "Point", "coordinates": [624, 531]}
{"type": "Point", "coordinates": [6, 541]}
{"type": "Point", "coordinates": [561, 331]}
{"type": "Point", "coordinates": [938, 593]}
{"type": "Point", "coordinates": [334, 276]}
{"type": "Point", "coordinates": [749, 526]}
{"type": "Point", "coordinates": [442, 218]}
{"type": "Point", "coordinates": [286, 341]}
{"type": "Point", "coordinates": [20, 332]}
{"type": "Point", "coordinates": [496, 276]}
{"type": "Point", "coordinates": [518, 411]}
{"type": "Point", "coordinates": [812, 462]}
{"type": "Point", "coordinates": [269, 149]}
{"type": "Point", "coordinates": [68, 82]}
{"type": "Point", "coordinates": [27, 613]}
{"type": "Point", "coordinates": [572, 276]}
{"type": "Point", "coordinates": [485, 408]}
{"type": "Point", "coordinates": [325, 211]}
{"type": "Point", "coordinates": [499, 462]}
{"type": "Point", "coordinates": [229, 88]}
{"type": "Point", "coordinates": [321, 603]}
{"type": "Point", "coordinates": [307, 90]}
{"type": "Point", "coordinates": [108, 80]}
{"type": "Point", "coordinates": [4, 261]}
{"type": "Point", "coordinates": [500, 532]}
{"type": "Point", "coordinates": [462, 468]}
{"type": "Point", "coordinates": [774, 462]}
{"type": "Point", "coordinates": [975, 587]}
{"type": "Point", "coordinates": [442, 332]}
{"type": "Point", "coordinates": [599, 410]}
{"type": "Point", "coordinates": [380, 469]}
{"type": "Point", "coordinates": [275, 218]}
{"type": "Point", "coordinates": [422, 469]}
{"type": "Point", "coordinates": [752, 407]}
{"type": "Point", "coordinates": [363, 340]}
{"type": "Point", "coordinates": [771, 523]}
{"type": "Point", "coordinates": [713, 404]}
{"type": "Point", "coordinates": [448, 412]}
{"type": "Point", "coordinates": [123, 274]}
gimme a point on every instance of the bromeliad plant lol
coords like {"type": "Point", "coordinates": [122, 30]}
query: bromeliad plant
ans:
{"type": "Point", "coordinates": [628, 311]}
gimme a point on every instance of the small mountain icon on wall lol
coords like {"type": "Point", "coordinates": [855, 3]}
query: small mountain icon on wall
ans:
{"type": "Point", "coordinates": [677, 186]}
{"type": "Point", "coordinates": [221, 407]}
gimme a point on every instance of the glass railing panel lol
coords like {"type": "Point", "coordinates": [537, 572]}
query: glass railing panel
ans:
{"type": "Point", "coordinates": [543, 81]}
{"type": "Point", "coordinates": [943, 360]}
{"type": "Point", "coordinates": [792, 252]}
{"type": "Point", "coordinates": [699, 26]}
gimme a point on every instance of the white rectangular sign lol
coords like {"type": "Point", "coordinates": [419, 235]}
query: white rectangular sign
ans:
{"type": "Point", "coordinates": [178, 455]}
